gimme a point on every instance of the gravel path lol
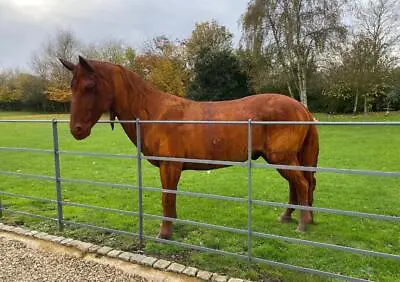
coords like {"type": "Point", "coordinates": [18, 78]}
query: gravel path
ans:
{"type": "Point", "coordinates": [18, 262]}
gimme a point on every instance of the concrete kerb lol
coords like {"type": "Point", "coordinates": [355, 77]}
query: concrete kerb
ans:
{"type": "Point", "coordinates": [135, 258]}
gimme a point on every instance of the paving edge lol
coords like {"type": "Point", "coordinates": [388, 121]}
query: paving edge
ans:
{"type": "Point", "coordinates": [135, 258]}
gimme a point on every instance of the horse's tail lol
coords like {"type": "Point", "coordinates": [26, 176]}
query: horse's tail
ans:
{"type": "Point", "coordinates": [308, 156]}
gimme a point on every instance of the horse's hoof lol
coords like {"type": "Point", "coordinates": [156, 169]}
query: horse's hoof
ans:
{"type": "Point", "coordinates": [165, 231]}
{"type": "Point", "coordinates": [164, 236]}
{"type": "Point", "coordinates": [285, 219]}
{"type": "Point", "coordinates": [301, 228]}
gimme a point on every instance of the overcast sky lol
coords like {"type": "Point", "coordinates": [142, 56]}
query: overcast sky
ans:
{"type": "Point", "coordinates": [25, 24]}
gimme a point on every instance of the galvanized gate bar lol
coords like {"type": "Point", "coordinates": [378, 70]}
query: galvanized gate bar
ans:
{"type": "Point", "coordinates": [217, 227]}
{"type": "Point", "coordinates": [139, 182]}
{"type": "Point", "coordinates": [249, 191]}
{"type": "Point", "coordinates": [28, 175]}
{"type": "Point", "coordinates": [198, 161]}
{"type": "Point", "coordinates": [331, 211]}
{"type": "Point", "coordinates": [57, 175]}
{"type": "Point", "coordinates": [255, 259]}
{"type": "Point", "coordinates": [94, 154]}
{"type": "Point", "coordinates": [277, 166]}
{"type": "Point", "coordinates": [211, 196]}
{"type": "Point", "coordinates": [233, 122]}
{"type": "Point", "coordinates": [361, 123]}
{"type": "Point", "coordinates": [309, 270]}
{"type": "Point", "coordinates": [38, 199]}
{"type": "Point", "coordinates": [27, 120]}
{"type": "Point", "coordinates": [196, 194]}
{"type": "Point", "coordinates": [100, 228]}
{"type": "Point", "coordinates": [196, 223]}
{"type": "Point", "coordinates": [8, 210]}
{"type": "Point", "coordinates": [32, 150]}
{"type": "Point", "coordinates": [369, 123]}
{"type": "Point", "coordinates": [117, 211]}
{"type": "Point", "coordinates": [333, 170]}
{"type": "Point", "coordinates": [99, 183]}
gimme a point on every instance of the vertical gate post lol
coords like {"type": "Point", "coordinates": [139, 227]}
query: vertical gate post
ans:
{"type": "Point", "coordinates": [1, 208]}
{"type": "Point", "coordinates": [249, 191]}
{"type": "Point", "coordinates": [56, 154]}
{"type": "Point", "coordinates": [139, 182]}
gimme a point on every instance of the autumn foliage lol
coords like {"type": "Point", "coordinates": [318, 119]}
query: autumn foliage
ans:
{"type": "Point", "coordinates": [163, 72]}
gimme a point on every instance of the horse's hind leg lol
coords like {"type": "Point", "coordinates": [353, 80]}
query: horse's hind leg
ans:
{"type": "Point", "coordinates": [312, 183]}
{"type": "Point", "coordinates": [299, 188]}
{"type": "Point", "coordinates": [286, 216]}
{"type": "Point", "coordinates": [170, 174]}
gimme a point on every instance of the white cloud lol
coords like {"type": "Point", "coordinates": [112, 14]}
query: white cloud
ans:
{"type": "Point", "coordinates": [24, 24]}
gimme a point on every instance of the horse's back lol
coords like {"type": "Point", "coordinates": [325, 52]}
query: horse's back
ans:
{"type": "Point", "coordinates": [229, 142]}
{"type": "Point", "coordinates": [260, 107]}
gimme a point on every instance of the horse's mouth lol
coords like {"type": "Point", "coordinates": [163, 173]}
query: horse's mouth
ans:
{"type": "Point", "coordinates": [82, 134]}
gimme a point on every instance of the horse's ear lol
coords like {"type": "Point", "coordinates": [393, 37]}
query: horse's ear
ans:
{"type": "Point", "coordinates": [85, 64]}
{"type": "Point", "coordinates": [112, 118]}
{"type": "Point", "coordinates": [67, 64]}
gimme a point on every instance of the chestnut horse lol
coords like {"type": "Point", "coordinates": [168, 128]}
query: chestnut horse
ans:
{"type": "Point", "coordinates": [100, 87]}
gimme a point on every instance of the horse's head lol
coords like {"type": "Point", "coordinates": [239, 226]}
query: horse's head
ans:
{"type": "Point", "coordinates": [91, 96]}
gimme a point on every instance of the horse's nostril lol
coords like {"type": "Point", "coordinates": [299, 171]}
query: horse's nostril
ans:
{"type": "Point", "coordinates": [79, 131]}
{"type": "Point", "coordinates": [78, 128]}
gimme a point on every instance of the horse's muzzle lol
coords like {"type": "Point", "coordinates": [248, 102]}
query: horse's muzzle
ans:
{"type": "Point", "coordinates": [79, 131]}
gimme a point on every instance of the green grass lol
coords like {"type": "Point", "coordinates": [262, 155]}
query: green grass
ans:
{"type": "Point", "coordinates": [358, 147]}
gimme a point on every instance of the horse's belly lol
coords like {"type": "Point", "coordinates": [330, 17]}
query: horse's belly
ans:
{"type": "Point", "coordinates": [220, 148]}
{"type": "Point", "coordinates": [198, 166]}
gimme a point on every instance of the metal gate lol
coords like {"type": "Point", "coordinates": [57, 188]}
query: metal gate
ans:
{"type": "Point", "coordinates": [249, 165]}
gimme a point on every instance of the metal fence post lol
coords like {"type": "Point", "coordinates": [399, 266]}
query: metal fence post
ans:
{"type": "Point", "coordinates": [139, 182]}
{"type": "Point", "coordinates": [60, 223]}
{"type": "Point", "coordinates": [249, 192]}
{"type": "Point", "coordinates": [1, 208]}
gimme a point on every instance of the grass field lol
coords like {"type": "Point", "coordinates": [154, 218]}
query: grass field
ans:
{"type": "Point", "coordinates": [358, 147]}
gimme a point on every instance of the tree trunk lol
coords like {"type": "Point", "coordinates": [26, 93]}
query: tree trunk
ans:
{"type": "Point", "coordinates": [302, 84]}
{"type": "Point", "coordinates": [303, 89]}
{"type": "Point", "coordinates": [355, 104]}
{"type": "Point", "coordinates": [290, 90]}
{"type": "Point", "coordinates": [365, 105]}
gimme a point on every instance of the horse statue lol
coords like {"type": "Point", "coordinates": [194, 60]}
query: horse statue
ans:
{"type": "Point", "coordinates": [101, 87]}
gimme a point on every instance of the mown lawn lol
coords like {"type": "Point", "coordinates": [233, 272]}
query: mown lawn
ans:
{"type": "Point", "coordinates": [359, 147]}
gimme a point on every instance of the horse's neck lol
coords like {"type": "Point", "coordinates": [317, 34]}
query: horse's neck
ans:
{"type": "Point", "coordinates": [136, 99]}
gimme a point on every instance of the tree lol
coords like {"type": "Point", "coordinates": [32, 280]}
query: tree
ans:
{"type": "Point", "coordinates": [163, 64]}
{"type": "Point", "coordinates": [218, 76]}
{"type": "Point", "coordinates": [378, 33]}
{"type": "Point", "coordinates": [297, 32]}
{"type": "Point", "coordinates": [130, 57]}
{"type": "Point", "coordinates": [45, 62]}
{"type": "Point", "coordinates": [164, 73]}
{"type": "Point", "coordinates": [392, 100]}
{"type": "Point", "coordinates": [113, 51]}
{"type": "Point", "coordinates": [364, 69]}
{"type": "Point", "coordinates": [33, 91]}
{"type": "Point", "coordinates": [10, 90]}
{"type": "Point", "coordinates": [207, 36]}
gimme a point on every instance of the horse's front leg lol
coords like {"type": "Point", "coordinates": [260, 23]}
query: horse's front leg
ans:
{"type": "Point", "coordinates": [170, 173]}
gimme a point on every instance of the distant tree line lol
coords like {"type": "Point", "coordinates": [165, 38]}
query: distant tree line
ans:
{"type": "Point", "coordinates": [334, 56]}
